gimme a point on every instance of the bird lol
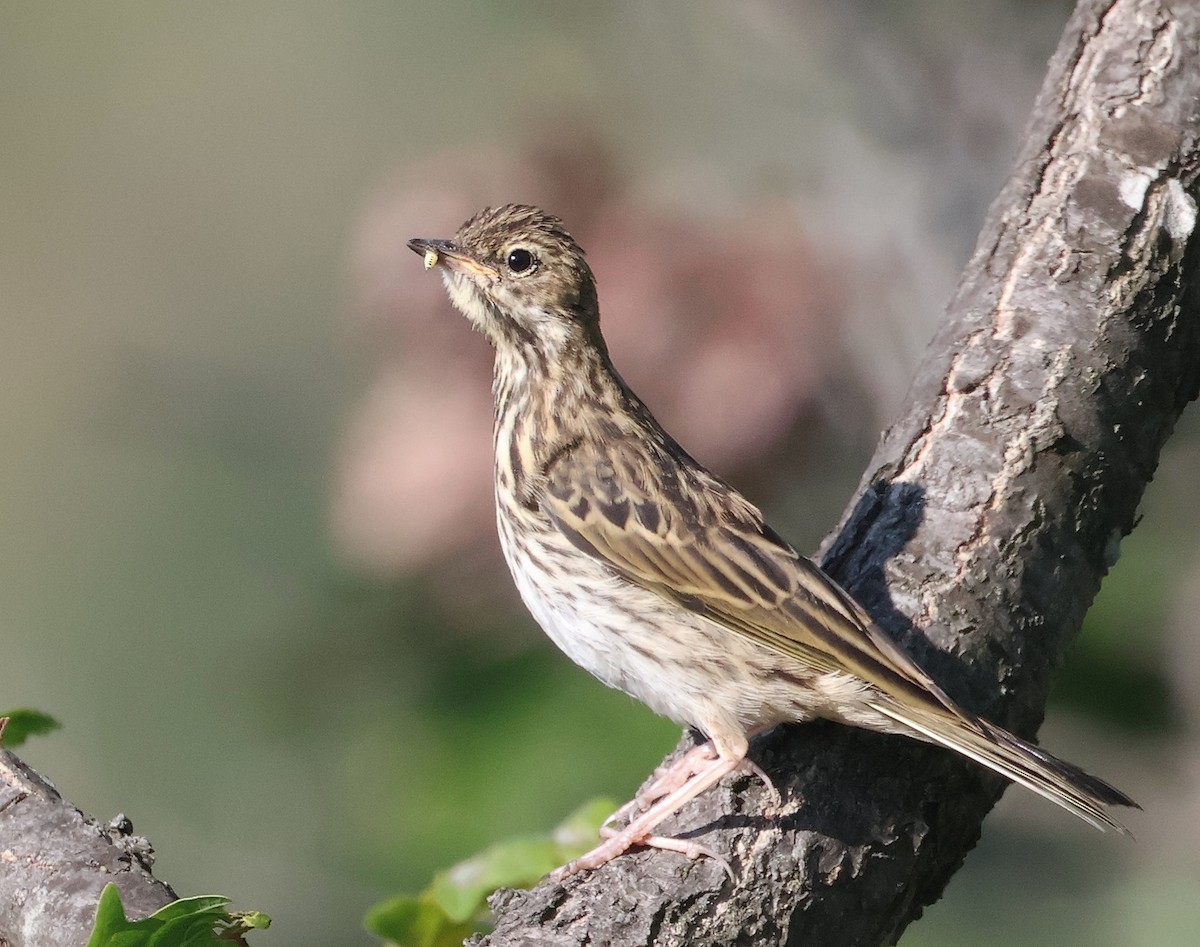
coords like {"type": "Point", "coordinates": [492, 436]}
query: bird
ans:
{"type": "Point", "coordinates": [657, 576]}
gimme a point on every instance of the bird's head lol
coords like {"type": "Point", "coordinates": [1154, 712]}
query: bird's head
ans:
{"type": "Point", "coordinates": [520, 278]}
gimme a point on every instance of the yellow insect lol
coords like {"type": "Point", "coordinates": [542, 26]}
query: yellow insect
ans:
{"type": "Point", "coordinates": [431, 259]}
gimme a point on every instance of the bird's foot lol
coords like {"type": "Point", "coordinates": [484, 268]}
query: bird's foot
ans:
{"type": "Point", "coordinates": [754, 769]}
{"type": "Point", "coordinates": [640, 831]}
{"type": "Point", "coordinates": [687, 847]}
{"type": "Point", "coordinates": [667, 779]}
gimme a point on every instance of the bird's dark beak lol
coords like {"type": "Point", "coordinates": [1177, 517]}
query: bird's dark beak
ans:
{"type": "Point", "coordinates": [446, 253]}
{"type": "Point", "coordinates": [432, 250]}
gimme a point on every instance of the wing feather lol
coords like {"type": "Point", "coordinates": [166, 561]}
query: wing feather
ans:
{"type": "Point", "coordinates": [671, 527]}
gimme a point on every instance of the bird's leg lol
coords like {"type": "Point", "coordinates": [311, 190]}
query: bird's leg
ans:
{"type": "Point", "coordinates": [638, 832]}
{"type": "Point", "coordinates": [669, 778]}
{"type": "Point", "coordinates": [666, 780]}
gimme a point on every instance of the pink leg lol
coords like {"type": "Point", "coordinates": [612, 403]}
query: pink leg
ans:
{"type": "Point", "coordinates": [640, 830]}
{"type": "Point", "coordinates": [666, 780]}
{"type": "Point", "coordinates": [669, 778]}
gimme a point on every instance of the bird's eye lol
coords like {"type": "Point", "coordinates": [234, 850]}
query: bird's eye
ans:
{"type": "Point", "coordinates": [521, 260]}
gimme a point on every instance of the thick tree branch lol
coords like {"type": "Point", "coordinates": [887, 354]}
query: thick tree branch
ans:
{"type": "Point", "coordinates": [54, 862]}
{"type": "Point", "coordinates": [985, 521]}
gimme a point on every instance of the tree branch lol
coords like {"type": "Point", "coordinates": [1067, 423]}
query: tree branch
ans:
{"type": "Point", "coordinates": [984, 523]}
{"type": "Point", "coordinates": [54, 862]}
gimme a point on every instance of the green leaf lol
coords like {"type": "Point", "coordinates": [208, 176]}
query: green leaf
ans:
{"type": "Point", "coordinates": [22, 723]}
{"type": "Point", "coordinates": [110, 918]}
{"type": "Point", "coordinates": [202, 906]}
{"type": "Point", "coordinates": [251, 920]}
{"type": "Point", "coordinates": [188, 922]}
{"type": "Point", "coordinates": [462, 890]}
{"type": "Point", "coordinates": [455, 903]}
{"type": "Point", "coordinates": [416, 922]}
{"type": "Point", "coordinates": [576, 833]}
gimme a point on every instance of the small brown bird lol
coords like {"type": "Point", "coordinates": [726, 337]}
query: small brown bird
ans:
{"type": "Point", "coordinates": [658, 577]}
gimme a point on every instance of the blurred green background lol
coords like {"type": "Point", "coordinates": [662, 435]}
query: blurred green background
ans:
{"type": "Point", "coordinates": [185, 191]}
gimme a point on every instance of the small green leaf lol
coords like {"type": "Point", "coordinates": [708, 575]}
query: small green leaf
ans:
{"type": "Point", "coordinates": [203, 906]}
{"type": "Point", "coordinates": [576, 833]}
{"type": "Point", "coordinates": [416, 922]}
{"type": "Point", "coordinates": [110, 917]}
{"type": "Point", "coordinates": [250, 921]}
{"type": "Point", "coordinates": [24, 722]}
{"type": "Point", "coordinates": [188, 922]}
{"type": "Point", "coordinates": [455, 903]}
{"type": "Point", "coordinates": [463, 890]}
{"type": "Point", "coordinates": [180, 931]}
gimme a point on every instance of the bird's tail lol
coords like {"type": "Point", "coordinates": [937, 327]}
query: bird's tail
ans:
{"type": "Point", "coordinates": [1032, 767]}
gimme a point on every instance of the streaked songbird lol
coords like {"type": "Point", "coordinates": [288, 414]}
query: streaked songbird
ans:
{"type": "Point", "coordinates": [657, 576]}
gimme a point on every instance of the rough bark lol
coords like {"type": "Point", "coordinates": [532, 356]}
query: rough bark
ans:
{"type": "Point", "coordinates": [54, 862]}
{"type": "Point", "coordinates": [983, 525]}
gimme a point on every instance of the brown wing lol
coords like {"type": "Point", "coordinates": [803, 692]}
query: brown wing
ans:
{"type": "Point", "coordinates": [664, 523]}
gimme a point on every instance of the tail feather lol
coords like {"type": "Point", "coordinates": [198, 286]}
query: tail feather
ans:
{"type": "Point", "coordinates": [1063, 783]}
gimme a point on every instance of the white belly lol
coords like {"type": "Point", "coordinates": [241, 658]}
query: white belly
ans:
{"type": "Point", "coordinates": [613, 643]}
{"type": "Point", "coordinates": [678, 663]}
